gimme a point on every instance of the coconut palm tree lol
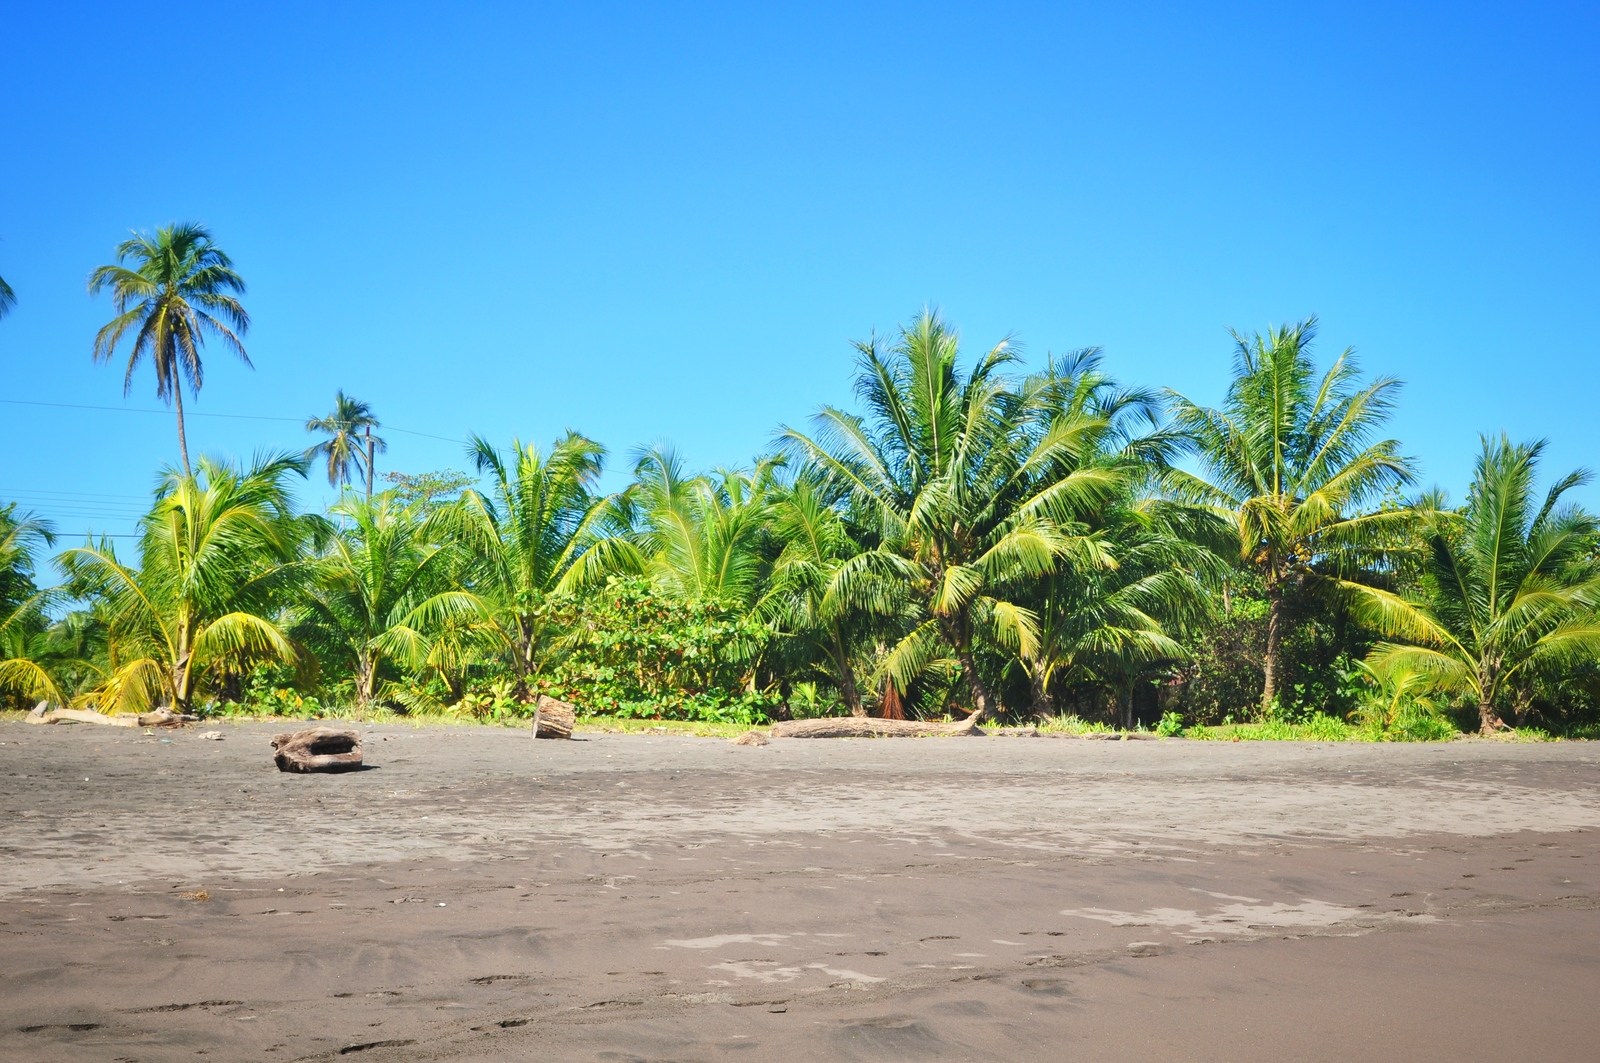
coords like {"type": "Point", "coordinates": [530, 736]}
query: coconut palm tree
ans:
{"type": "Point", "coordinates": [1510, 589]}
{"type": "Point", "coordinates": [216, 552]}
{"type": "Point", "coordinates": [1105, 625]}
{"type": "Point", "coordinates": [379, 591]}
{"type": "Point", "coordinates": [540, 530]}
{"type": "Point", "coordinates": [1293, 462]}
{"type": "Point", "coordinates": [23, 620]}
{"type": "Point", "coordinates": [350, 445]}
{"type": "Point", "coordinates": [704, 537]}
{"type": "Point", "coordinates": [171, 290]}
{"type": "Point", "coordinates": [8, 298]}
{"type": "Point", "coordinates": [801, 600]}
{"type": "Point", "coordinates": [971, 487]}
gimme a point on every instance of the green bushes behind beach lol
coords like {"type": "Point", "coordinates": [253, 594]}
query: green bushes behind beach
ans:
{"type": "Point", "coordinates": [1051, 544]}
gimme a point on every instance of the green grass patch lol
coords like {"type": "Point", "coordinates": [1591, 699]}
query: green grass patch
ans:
{"type": "Point", "coordinates": [696, 728]}
{"type": "Point", "coordinates": [1073, 725]}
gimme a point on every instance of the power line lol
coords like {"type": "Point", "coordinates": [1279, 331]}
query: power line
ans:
{"type": "Point", "coordinates": [223, 416]}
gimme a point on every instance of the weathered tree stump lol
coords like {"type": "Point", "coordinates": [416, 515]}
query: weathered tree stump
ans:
{"type": "Point", "coordinates": [318, 749]}
{"type": "Point", "coordinates": [552, 718]}
{"type": "Point", "coordinates": [871, 727]}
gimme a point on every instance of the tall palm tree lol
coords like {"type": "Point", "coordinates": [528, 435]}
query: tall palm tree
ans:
{"type": "Point", "coordinates": [216, 552]}
{"type": "Point", "coordinates": [1293, 462]}
{"type": "Point", "coordinates": [1511, 588]}
{"type": "Point", "coordinates": [971, 487]}
{"type": "Point", "coordinates": [541, 530]}
{"type": "Point", "coordinates": [171, 290]}
{"type": "Point", "coordinates": [350, 445]}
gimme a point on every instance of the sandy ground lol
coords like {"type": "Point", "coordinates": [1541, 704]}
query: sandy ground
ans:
{"type": "Point", "coordinates": [481, 896]}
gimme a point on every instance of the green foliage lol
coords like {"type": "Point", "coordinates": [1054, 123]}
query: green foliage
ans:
{"type": "Point", "coordinates": [427, 489]}
{"type": "Point", "coordinates": [632, 652]}
{"type": "Point", "coordinates": [1170, 725]}
{"type": "Point", "coordinates": [1510, 592]}
{"type": "Point", "coordinates": [1315, 727]}
{"type": "Point", "coordinates": [33, 666]}
{"type": "Point", "coordinates": [1073, 725]}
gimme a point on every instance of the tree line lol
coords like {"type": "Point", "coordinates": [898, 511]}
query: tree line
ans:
{"type": "Point", "coordinates": [969, 538]}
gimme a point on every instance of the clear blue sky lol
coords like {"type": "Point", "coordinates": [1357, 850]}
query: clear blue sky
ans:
{"type": "Point", "coordinates": [665, 222]}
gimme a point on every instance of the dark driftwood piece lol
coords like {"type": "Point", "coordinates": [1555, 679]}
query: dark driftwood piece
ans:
{"type": "Point", "coordinates": [871, 727]}
{"type": "Point", "coordinates": [317, 749]}
{"type": "Point", "coordinates": [552, 718]}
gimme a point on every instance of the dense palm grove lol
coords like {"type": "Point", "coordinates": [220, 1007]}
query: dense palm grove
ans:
{"type": "Point", "coordinates": [970, 538]}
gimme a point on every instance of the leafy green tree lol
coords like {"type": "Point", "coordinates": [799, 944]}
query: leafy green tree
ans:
{"type": "Point", "coordinates": [1510, 591]}
{"type": "Point", "coordinates": [1294, 463]}
{"type": "Point", "coordinates": [541, 529]}
{"type": "Point", "coordinates": [379, 591]}
{"type": "Point", "coordinates": [629, 649]}
{"type": "Point", "coordinates": [1108, 625]}
{"type": "Point", "coordinates": [171, 290]}
{"type": "Point", "coordinates": [429, 490]}
{"type": "Point", "coordinates": [350, 446]}
{"type": "Point", "coordinates": [216, 553]}
{"type": "Point", "coordinates": [972, 489]}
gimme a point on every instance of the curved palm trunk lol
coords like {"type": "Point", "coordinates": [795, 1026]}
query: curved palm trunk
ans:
{"type": "Point", "coordinates": [958, 633]}
{"type": "Point", "coordinates": [371, 454]}
{"type": "Point", "coordinates": [181, 668]}
{"type": "Point", "coordinates": [183, 441]}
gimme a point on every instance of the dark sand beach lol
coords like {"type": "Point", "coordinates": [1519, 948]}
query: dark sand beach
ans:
{"type": "Point", "coordinates": [481, 896]}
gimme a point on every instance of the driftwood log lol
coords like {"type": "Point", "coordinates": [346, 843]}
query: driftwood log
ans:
{"type": "Point", "coordinates": [552, 718]}
{"type": "Point", "coordinates": [317, 749]}
{"type": "Point", "coordinates": [43, 713]}
{"type": "Point", "coordinates": [872, 727]}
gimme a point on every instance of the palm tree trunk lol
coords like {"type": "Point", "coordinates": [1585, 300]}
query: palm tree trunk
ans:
{"type": "Point", "coordinates": [1269, 660]}
{"type": "Point", "coordinates": [1044, 703]}
{"type": "Point", "coordinates": [370, 455]}
{"type": "Point", "coordinates": [366, 670]}
{"type": "Point", "coordinates": [1489, 721]}
{"type": "Point", "coordinates": [958, 633]}
{"type": "Point", "coordinates": [183, 441]}
{"type": "Point", "coordinates": [848, 689]}
{"type": "Point", "coordinates": [180, 672]}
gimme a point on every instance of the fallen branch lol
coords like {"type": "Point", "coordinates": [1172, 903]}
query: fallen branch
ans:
{"type": "Point", "coordinates": [870, 727]}
{"type": "Point", "coordinates": [43, 713]}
